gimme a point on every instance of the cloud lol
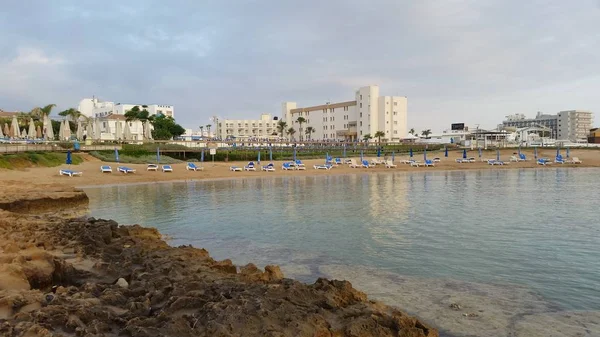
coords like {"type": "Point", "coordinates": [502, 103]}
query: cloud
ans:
{"type": "Point", "coordinates": [456, 60]}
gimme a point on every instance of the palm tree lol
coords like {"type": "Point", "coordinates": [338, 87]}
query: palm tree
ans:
{"type": "Point", "coordinates": [426, 133]}
{"type": "Point", "coordinates": [201, 131]}
{"type": "Point", "coordinates": [291, 132]}
{"type": "Point", "coordinates": [281, 127]}
{"type": "Point", "coordinates": [300, 120]}
{"type": "Point", "coordinates": [367, 137]}
{"type": "Point", "coordinates": [208, 129]}
{"type": "Point", "coordinates": [72, 114]}
{"type": "Point", "coordinates": [41, 113]}
{"type": "Point", "coordinates": [412, 131]}
{"type": "Point", "coordinates": [309, 131]}
{"type": "Point", "coordinates": [379, 134]}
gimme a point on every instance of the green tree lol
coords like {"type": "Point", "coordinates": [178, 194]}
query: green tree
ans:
{"type": "Point", "coordinates": [136, 114]}
{"type": "Point", "coordinates": [73, 114]}
{"type": "Point", "coordinates": [165, 128]}
{"type": "Point", "coordinates": [379, 134]}
{"type": "Point", "coordinates": [367, 137]}
{"type": "Point", "coordinates": [426, 133]}
{"type": "Point", "coordinates": [291, 132]}
{"type": "Point", "coordinates": [309, 131]}
{"type": "Point", "coordinates": [300, 120]}
{"type": "Point", "coordinates": [412, 131]}
{"type": "Point", "coordinates": [208, 126]}
{"type": "Point", "coordinates": [201, 131]}
{"type": "Point", "coordinates": [281, 127]}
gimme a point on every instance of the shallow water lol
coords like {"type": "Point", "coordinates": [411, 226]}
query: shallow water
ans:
{"type": "Point", "coordinates": [505, 244]}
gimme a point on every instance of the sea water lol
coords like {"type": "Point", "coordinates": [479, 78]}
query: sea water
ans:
{"type": "Point", "coordinates": [518, 250]}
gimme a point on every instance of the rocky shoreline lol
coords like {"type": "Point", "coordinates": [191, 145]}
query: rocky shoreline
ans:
{"type": "Point", "coordinates": [64, 275]}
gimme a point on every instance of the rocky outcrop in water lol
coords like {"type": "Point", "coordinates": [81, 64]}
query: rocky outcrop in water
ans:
{"type": "Point", "coordinates": [88, 277]}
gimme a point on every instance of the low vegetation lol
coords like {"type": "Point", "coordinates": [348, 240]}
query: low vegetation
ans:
{"type": "Point", "coordinates": [35, 159]}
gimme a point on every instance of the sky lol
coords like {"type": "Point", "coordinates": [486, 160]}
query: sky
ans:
{"type": "Point", "coordinates": [471, 61]}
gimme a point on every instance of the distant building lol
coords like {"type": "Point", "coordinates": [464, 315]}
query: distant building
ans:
{"type": "Point", "coordinates": [594, 136]}
{"type": "Point", "coordinates": [93, 107]}
{"type": "Point", "coordinates": [263, 128]}
{"type": "Point", "coordinates": [571, 125]}
{"type": "Point", "coordinates": [351, 120]}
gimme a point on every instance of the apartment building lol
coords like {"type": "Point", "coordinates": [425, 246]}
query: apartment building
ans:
{"type": "Point", "coordinates": [93, 107]}
{"type": "Point", "coordinates": [574, 125]}
{"type": "Point", "coordinates": [263, 128]}
{"type": "Point", "coordinates": [351, 120]}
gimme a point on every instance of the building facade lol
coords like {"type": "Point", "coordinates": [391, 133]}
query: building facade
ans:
{"type": "Point", "coordinates": [263, 128]}
{"type": "Point", "coordinates": [574, 125]}
{"type": "Point", "coordinates": [351, 120]}
{"type": "Point", "coordinates": [93, 107]}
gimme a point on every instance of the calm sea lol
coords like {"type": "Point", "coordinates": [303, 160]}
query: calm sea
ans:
{"type": "Point", "coordinates": [508, 242]}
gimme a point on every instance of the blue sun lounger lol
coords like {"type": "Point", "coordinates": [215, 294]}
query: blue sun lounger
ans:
{"type": "Point", "coordinates": [365, 164]}
{"type": "Point", "coordinates": [69, 173]}
{"type": "Point", "coordinates": [269, 167]}
{"type": "Point", "coordinates": [124, 169]}
{"type": "Point", "coordinates": [235, 168]}
{"type": "Point", "coordinates": [323, 167]}
{"type": "Point", "coordinates": [287, 166]}
{"type": "Point", "coordinates": [337, 161]}
{"type": "Point", "coordinates": [167, 168]}
{"type": "Point", "coordinates": [193, 167]}
{"type": "Point", "coordinates": [250, 167]}
{"type": "Point", "coordinates": [105, 169]}
{"type": "Point", "coordinates": [429, 162]}
{"type": "Point", "coordinates": [559, 159]}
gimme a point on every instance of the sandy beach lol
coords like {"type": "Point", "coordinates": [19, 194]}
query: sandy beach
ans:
{"type": "Point", "coordinates": [220, 170]}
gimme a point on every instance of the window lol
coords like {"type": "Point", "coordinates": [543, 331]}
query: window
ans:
{"type": "Point", "coordinates": [361, 115]}
{"type": "Point", "coordinates": [360, 96]}
{"type": "Point", "coordinates": [395, 113]}
{"type": "Point", "coordinates": [361, 105]}
{"type": "Point", "coordinates": [360, 123]}
{"type": "Point", "coordinates": [395, 132]}
{"type": "Point", "coordinates": [395, 103]}
{"type": "Point", "coordinates": [361, 133]}
{"type": "Point", "coordinates": [395, 122]}
{"type": "Point", "coordinates": [331, 110]}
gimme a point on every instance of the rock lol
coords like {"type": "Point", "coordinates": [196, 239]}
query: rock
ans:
{"type": "Point", "coordinates": [455, 306]}
{"type": "Point", "coordinates": [273, 273]}
{"type": "Point", "coordinates": [68, 250]}
{"type": "Point", "coordinates": [225, 265]}
{"type": "Point", "coordinates": [122, 283]}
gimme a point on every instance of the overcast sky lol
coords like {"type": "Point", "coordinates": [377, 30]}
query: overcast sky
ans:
{"type": "Point", "coordinates": [471, 61]}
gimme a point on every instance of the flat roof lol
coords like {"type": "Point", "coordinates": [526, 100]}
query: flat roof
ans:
{"type": "Point", "coordinates": [324, 106]}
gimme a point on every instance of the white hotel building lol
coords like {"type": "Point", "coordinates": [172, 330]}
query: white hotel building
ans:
{"type": "Point", "coordinates": [106, 116]}
{"type": "Point", "coordinates": [368, 113]}
{"type": "Point", "coordinates": [349, 120]}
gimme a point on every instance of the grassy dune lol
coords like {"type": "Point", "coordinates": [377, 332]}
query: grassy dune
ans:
{"type": "Point", "coordinates": [35, 159]}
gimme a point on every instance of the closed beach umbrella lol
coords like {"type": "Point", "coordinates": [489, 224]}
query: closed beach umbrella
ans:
{"type": "Point", "coordinates": [69, 159]}
{"type": "Point", "coordinates": [79, 132]}
{"type": "Point", "coordinates": [344, 153]}
{"type": "Point", "coordinates": [393, 156]}
{"type": "Point", "coordinates": [535, 152]}
{"type": "Point", "coordinates": [1, 133]}
{"type": "Point", "coordinates": [568, 152]}
{"type": "Point", "coordinates": [118, 131]}
{"type": "Point", "coordinates": [202, 156]}
{"type": "Point", "coordinates": [270, 153]}
{"type": "Point", "coordinates": [258, 160]}
{"type": "Point", "coordinates": [498, 154]}
{"type": "Point", "coordinates": [48, 127]}
{"type": "Point", "coordinates": [424, 154]}
{"type": "Point", "coordinates": [361, 156]}
{"type": "Point", "coordinates": [148, 130]}
{"type": "Point", "coordinates": [464, 153]}
{"type": "Point", "coordinates": [479, 153]}
{"type": "Point", "coordinates": [6, 130]}
{"type": "Point", "coordinates": [519, 151]}
{"type": "Point", "coordinates": [446, 152]}
{"type": "Point", "coordinates": [294, 153]}
{"type": "Point", "coordinates": [38, 132]}
{"type": "Point", "coordinates": [410, 152]}
{"type": "Point", "coordinates": [24, 134]}
{"type": "Point", "coordinates": [116, 155]}
{"type": "Point", "coordinates": [157, 155]}
{"type": "Point", "coordinates": [14, 128]}
{"type": "Point", "coordinates": [61, 131]}
{"type": "Point", "coordinates": [31, 131]}
{"type": "Point", "coordinates": [557, 151]}
{"type": "Point", "coordinates": [378, 152]}
{"type": "Point", "coordinates": [127, 132]}
{"type": "Point", "coordinates": [67, 130]}
{"type": "Point", "coordinates": [97, 130]}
